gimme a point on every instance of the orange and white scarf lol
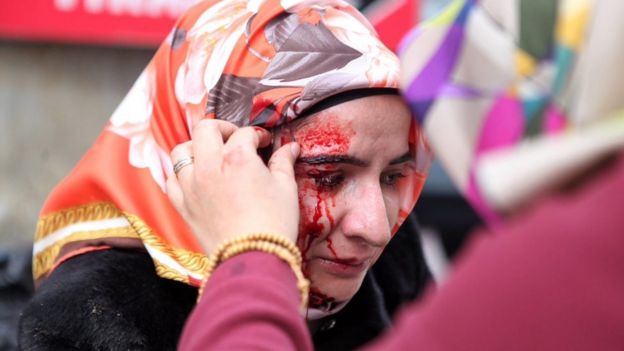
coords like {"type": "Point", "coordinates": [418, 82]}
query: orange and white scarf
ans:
{"type": "Point", "coordinates": [257, 62]}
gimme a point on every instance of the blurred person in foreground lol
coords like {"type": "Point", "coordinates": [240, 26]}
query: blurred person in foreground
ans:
{"type": "Point", "coordinates": [117, 267]}
{"type": "Point", "coordinates": [522, 102]}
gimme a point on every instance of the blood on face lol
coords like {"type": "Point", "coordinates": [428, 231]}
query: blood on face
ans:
{"type": "Point", "coordinates": [319, 137]}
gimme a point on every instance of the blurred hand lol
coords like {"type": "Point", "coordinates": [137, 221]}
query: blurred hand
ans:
{"type": "Point", "coordinates": [228, 191]}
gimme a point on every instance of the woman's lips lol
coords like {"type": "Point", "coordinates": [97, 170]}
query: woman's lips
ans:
{"type": "Point", "coordinates": [344, 267]}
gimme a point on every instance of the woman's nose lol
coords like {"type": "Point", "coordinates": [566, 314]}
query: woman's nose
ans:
{"type": "Point", "coordinates": [366, 218]}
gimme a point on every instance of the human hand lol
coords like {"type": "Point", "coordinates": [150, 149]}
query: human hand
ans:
{"type": "Point", "coordinates": [228, 191]}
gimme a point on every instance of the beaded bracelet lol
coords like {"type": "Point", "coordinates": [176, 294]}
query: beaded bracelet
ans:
{"type": "Point", "coordinates": [216, 257]}
{"type": "Point", "coordinates": [276, 239]}
{"type": "Point", "coordinates": [273, 244]}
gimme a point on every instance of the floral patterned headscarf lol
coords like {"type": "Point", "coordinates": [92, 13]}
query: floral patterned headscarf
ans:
{"type": "Point", "coordinates": [517, 97]}
{"type": "Point", "coordinates": [250, 62]}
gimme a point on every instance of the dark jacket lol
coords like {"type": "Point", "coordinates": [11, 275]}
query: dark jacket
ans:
{"type": "Point", "coordinates": [113, 300]}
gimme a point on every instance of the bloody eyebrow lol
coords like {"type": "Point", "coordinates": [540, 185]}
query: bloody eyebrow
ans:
{"type": "Point", "coordinates": [325, 159]}
{"type": "Point", "coordinates": [403, 158]}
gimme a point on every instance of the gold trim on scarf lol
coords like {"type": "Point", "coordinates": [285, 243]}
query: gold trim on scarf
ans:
{"type": "Point", "coordinates": [50, 223]}
{"type": "Point", "coordinates": [43, 261]}
{"type": "Point", "coordinates": [91, 212]}
{"type": "Point", "coordinates": [194, 262]}
{"type": "Point", "coordinates": [167, 272]}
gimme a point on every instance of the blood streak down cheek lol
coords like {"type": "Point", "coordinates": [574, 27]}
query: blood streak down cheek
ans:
{"type": "Point", "coordinates": [316, 218]}
{"type": "Point", "coordinates": [315, 205]}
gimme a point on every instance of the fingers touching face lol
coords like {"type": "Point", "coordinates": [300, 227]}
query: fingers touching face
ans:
{"type": "Point", "coordinates": [214, 138]}
{"type": "Point", "coordinates": [214, 194]}
{"type": "Point", "coordinates": [214, 143]}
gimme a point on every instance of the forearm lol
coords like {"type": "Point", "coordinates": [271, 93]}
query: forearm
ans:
{"type": "Point", "coordinates": [250, 302]}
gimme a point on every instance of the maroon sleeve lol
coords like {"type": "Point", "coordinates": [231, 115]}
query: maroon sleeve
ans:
{"type": "Point", "coordinates": [551, 280]}
{"type": "Point", "coordinates": [250, 302]}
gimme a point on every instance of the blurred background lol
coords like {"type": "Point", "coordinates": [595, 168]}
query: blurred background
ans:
{"type": "Point", "coordinates": [64, 67]}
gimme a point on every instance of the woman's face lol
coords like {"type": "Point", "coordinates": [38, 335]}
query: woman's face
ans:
{"type": "Point", "coordinates": [353, 158]}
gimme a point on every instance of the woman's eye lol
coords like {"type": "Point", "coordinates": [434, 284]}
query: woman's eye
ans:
{"type": "Point", "coordinates": [327, 180]}
{"type": "Point", "coordinates": [391, 178]}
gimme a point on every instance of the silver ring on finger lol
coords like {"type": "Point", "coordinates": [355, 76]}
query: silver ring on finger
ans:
{"type": "Point", "coordinates": [182, 163]}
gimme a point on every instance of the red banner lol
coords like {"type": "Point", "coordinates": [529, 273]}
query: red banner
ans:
{"type": "Point", "coordinates": [143, 22]}
{"type": "Point", "coordinates": [125, 22]}
{"type": "Point", "coordinates": [393, 18]}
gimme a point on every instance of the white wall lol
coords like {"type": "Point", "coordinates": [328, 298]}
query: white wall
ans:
{"type": "Point", "coordinates": [54, 100]}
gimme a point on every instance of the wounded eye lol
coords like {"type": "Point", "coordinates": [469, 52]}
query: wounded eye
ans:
{"type": "Point", "coordinates": [327, 180]}
{"type": "Point", "coordinates": [392, 178]}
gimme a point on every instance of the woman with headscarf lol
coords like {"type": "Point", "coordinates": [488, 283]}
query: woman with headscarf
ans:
{"type": "Point", "coordinates": [522, 102]}
{"type": "Point", "coordinates": [310, 72]}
